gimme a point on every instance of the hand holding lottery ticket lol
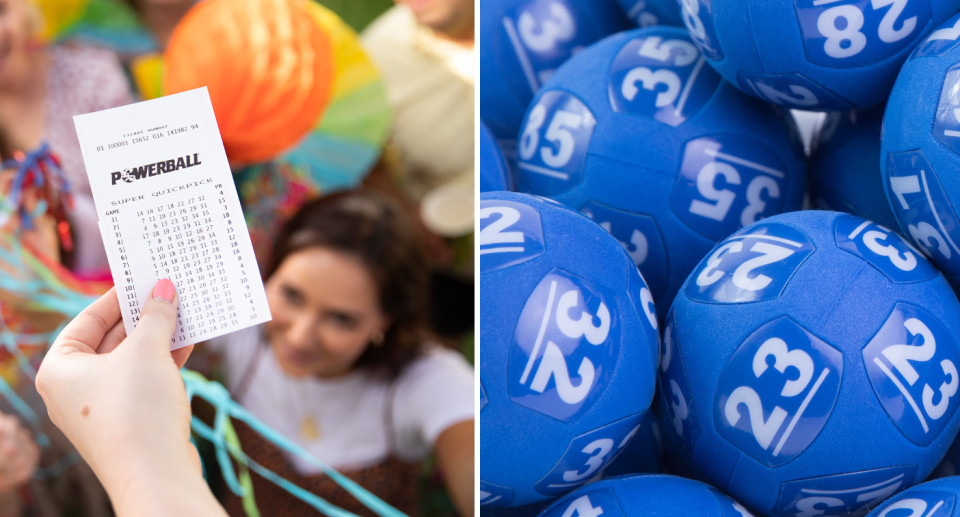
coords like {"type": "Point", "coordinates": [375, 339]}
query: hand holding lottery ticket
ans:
{"type": "Point", "coordinates": [168, 208]}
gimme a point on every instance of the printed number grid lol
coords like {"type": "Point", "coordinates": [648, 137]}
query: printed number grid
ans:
{"type": "Point", "coordinates": [194, 240]}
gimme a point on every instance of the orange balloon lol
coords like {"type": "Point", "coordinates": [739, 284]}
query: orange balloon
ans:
{"type": "Point", "coordinates": [267, 65]}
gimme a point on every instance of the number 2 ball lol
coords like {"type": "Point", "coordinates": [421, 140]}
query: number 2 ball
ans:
{"type": "Point", "coordinates": [931, 499]}
{"type": "Point", "coordinates": [920, 150]}
{"type": "Point", "coordinates": [641, 135]}
{"type": "Point", "coordinates": [811, 365]}
{"type": "Point", "coordinates": [812, 54]}
{"type": "Point", "coordinates": [522, 42]}
{"type": "Point", "coordinates": [568, 349]}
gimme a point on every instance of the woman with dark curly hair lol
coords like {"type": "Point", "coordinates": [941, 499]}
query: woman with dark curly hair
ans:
{"type": "Point", "coordinates": [345, 368]}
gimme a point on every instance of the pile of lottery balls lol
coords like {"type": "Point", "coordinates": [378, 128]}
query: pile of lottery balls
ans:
{"type": "Point", "coordinates": [719, 254]}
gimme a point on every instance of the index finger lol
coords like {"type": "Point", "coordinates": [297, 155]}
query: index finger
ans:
{"type": "Point", "coordinates": [86, 331]}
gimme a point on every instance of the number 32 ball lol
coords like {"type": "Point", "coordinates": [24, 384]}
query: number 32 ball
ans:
{"type": "Point", "coordinates": [568, 349]}
{"type": "Point", "coordinates": [812, 54]}
{"type": "Point", "coordinates": [641, 135]}
{"type": "Point", "coordinates": [809, 364]}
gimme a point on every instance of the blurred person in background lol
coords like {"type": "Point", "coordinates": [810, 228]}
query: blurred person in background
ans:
{"type": "Point", "coordinates": [425, 51]}
{"type": "Point", "coordinates": [41, 89]}
{"type": "Point", "coordinates": [346, 369]}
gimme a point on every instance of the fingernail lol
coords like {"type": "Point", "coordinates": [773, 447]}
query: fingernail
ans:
{"type": "Point", "coordinates": [164, 290]}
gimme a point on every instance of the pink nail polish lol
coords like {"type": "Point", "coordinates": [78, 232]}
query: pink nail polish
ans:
{"type": "Point", "coordinates": [164, 290]}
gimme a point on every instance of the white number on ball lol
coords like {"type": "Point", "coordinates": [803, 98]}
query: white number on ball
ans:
{"type": "Point", "coordinates": [756, 205]}
{"type": "Point", "coordinates": [553, 363]}
{"type": "Point", "coordinates": [583, 508]}
{"type": "Point", "coordinates": [923, 233]}
{"type": "Point", "coordinates": [543, 38]}
{"type": "Point", "coordinates": [916, 507]}
{"type": "Point", "coordinates": [856, 41]}
{"type": "Point", "coordinates": [770, 253]}
{"type": "Point", "coordinates": [764, 431]}
{"type": "Point", "coordinates": [599, 450]}
{"type": "Point", "coordinates": [853, 20]}
{"type": "Point", "coordinates": [494, 233]}
{"type": "Point", "coordinates": [557, 134]}
{"type": "Point", "coordinates": [722, 199]}
{"type": "Point", "coordinates": [901, 355]}
{"type": "Point", "coordinates": [531, 133]}
{"type": "Point", "coordinates": [650, 80]}
{"type": "Point", "coordinates": [905, 261]}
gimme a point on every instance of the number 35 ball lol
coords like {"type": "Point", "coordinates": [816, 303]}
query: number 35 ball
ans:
{"type": "Point", "coordinates": [568, 349]}
{"type": "Point", "coordinates": [812, 54]}
{"type": "Point", "coordinates": [920, 150]}
{"type": "Point", "coordinates": [638, 133]}
{"type": "Point", "coordinates": [810, 364]}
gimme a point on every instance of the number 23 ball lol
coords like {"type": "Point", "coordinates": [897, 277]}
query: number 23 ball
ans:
{"type": "Point", "coordinates": [641, 135]}
{"type": "Point", "coordinates": [812, 54]}
{"type": "Point", "coordinates": [568, 349]}
{"type": "Point", "coordinates": [810, 364]}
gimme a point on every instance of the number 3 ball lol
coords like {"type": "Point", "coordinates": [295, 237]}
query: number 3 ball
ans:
{"type": "Point", "coordinates": [643, 496]}
{"type": "Point", "coordinates": [568, 349]}
{"type": "Point", "coordinates": [812, 54]}
{"type": "Point", "coordinates": [809, 363]}
{"type": "Point", "coordinates": [920, 150]}
{"type": "Point", "coordinates": [523, 41]}
{"type": "Point", "coordinates": [641, 135]}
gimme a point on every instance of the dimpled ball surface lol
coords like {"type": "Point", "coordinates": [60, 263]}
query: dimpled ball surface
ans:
{"type": "Point", "coordinates": [920, 150]}
{"type": "Point", "coordinates": [812, 54]}
{"type": "Point", "coordinates": [641, 135]}
{"type": "Point", "coordinates": [522, 42]}
{"type": "Point", "coordinates": [931, 499]}
{"type": "Point", "coordinates": [645, 13]}
{"type": "Point", "coordinates": [642, 496]}
{"type": "Point", "coordinates": [494, 174]}
{"type": "Point", "coordinates": [845, 173]}
{"type": "Point", "coordinates": [813, 351]}
{"type": "Point", "coordinates": [568, 349]}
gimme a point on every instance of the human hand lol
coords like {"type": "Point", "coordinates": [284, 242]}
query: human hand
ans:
{"type": "Point", "coordinates": [122, 403]}
{"type": "Point", "coordinates": [19, 453]}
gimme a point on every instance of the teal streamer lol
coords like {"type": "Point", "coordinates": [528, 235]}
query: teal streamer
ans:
{"type": "Point", "coordinates": [214, 393]}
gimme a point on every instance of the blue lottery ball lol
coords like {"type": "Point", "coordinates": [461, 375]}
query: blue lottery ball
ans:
{"type": "Point", "coordinates": [920, 150]}
{"type": "Point", "coordinates": [522, 42]}
{"type": "Point", "coordinates": [811, 354]}
{"type": "Point", "coordinates": [845, 166]}
{"type": "Point", "coordinates": [646, 13]}
{"type": "Point", "coordinates": [643, 496]}
{"type": "Point", "coordinates": [643, 137]}
{"type": "Point", "coordinates": [831, 55]}
{"type": "Point", "coordinates": [568, 349]}
{"type": "Point", "coordinates": [931, 499]}
{"type": "Point", "coordinates": [494, 173]}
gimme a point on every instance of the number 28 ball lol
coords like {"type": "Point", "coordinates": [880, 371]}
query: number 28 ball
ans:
{"type": "Point", "coordinates": [810, 352]}
{"type": "Point", "coordinates": [568, 349]}
{"type": "Point", "coordinates": [812, 54]}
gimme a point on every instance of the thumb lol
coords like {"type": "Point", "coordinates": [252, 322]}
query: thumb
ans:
{"type": "Point", "coordinates": [158, 318]}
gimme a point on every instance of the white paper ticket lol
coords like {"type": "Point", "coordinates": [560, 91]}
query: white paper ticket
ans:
{"type": "Point", "coordinates": [168, 208]}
